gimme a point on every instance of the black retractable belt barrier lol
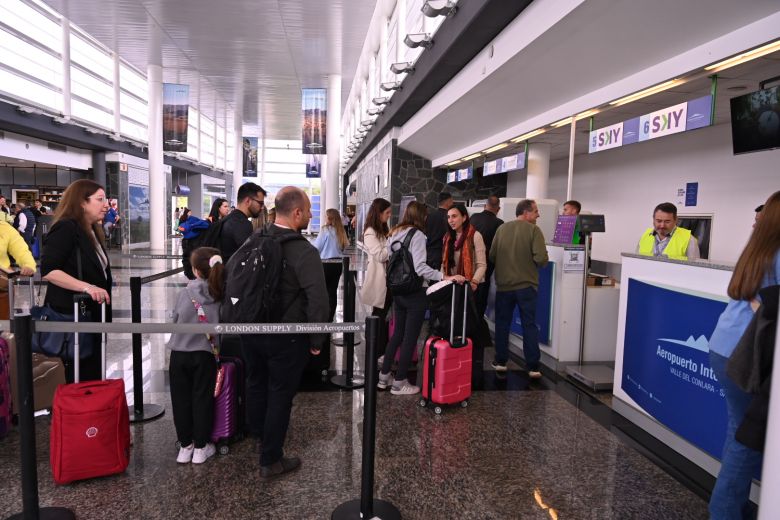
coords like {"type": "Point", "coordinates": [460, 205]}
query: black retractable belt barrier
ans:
{"type": "Point", "coordinates": [367, 507]}
{"type": "Point", "coordinates": [348, 380]}
{"type": "Point", "coordinates": [24, 381]}
{"type": "Point", "coordinates": [139, 412]}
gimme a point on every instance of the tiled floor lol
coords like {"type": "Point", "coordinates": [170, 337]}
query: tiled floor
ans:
{"type": "Point", "coordinates": [521, 450]}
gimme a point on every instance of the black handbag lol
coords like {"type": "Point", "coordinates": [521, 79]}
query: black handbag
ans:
{"type": "Point", "coordinates": [61, 344]}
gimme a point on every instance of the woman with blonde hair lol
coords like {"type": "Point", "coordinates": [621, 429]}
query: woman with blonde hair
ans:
{"type": "Point", "coordinates": [758, 267]}
{"type": "Point", "coordinates": [74, 261]}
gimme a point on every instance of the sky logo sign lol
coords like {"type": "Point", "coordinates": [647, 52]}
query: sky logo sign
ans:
{"type": "Point", "coordinates": [606, 138]}
{"type": "Point", "coordinates": [663, 122]}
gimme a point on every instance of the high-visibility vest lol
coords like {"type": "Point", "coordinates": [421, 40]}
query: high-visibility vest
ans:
{"type": "Point", "coordinates": [676, 248]}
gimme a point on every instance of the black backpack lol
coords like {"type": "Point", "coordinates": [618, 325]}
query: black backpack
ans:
{"type": "Point", "coordinates": [401, 275]}
{"type": "Point", "coordinates": [252, 277]}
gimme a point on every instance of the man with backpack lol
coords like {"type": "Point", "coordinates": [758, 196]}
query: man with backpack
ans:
{"type": "Point", "coordinates": [277, 277]}
{"type": "Point", "coordinates": [234, 229]}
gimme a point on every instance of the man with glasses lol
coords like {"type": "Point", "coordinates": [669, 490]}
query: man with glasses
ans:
{"type": "Point", "coordinates": [236, 227]}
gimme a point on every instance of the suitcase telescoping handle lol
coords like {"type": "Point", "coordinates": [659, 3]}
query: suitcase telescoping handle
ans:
{"type": "Point", "coordinates": [452, 313]}
{"type": "Point", "coordinates": [79, 299]}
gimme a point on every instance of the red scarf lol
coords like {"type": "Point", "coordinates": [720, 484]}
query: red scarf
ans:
{"type": "Point", "coordinates": [464, 244]}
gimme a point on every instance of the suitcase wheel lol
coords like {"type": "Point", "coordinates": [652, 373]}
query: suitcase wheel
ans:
{"type": "Point", "coordinates": [422, 402]}
{"type": "Point", "coordinates": [224, 449]}
{"type": "Point", "coordinates": [437, 410]}
{"type": "Point", "coordinates": [464, 404]}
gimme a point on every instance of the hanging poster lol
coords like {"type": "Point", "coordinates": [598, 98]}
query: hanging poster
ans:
{"type": "Point", "coordinates": [138, 213]}
{"type": "Point", "coordinates": [315, 111]}
{"type": "Point", "coordinates": [313, 166]}
{"type": "Point", "coordinates": [250, 156]}
{"type": "Point", "coordinates": [176, 106]}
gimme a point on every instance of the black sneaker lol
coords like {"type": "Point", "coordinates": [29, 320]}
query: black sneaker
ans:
{"type": "Point", "coordinates": [280, 467]}
{"type": "Point", "coordinates": [498, 367]}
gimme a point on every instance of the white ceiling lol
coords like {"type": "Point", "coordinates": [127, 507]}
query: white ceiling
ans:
{"type": "Point", "coordinates": [592, 48]}
{"type": "Point", "coordinates": [256, 54]}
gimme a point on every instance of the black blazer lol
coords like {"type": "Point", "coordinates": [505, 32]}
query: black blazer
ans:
{"type": "Point", "coordinates": [65, 240]}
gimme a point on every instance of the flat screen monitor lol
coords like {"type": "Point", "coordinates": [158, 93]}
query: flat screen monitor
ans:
{"type": "Point", "coordinates": [591, 224]}
{"type": "Point", "coordinates": [755, 121]}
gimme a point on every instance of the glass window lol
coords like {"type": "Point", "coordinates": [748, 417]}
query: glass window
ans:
{"type": "Point", "coordinates": [90, 56]}
{"type": "Point", "coordinates": [392, 43]}
{"type": "Point", "coordinates": [133, 129]}
{"type": "Point", "coordinates": [130, 106]}
{"type": "Point", "coordinates": [88, 87]}
{"type": "Point", "coordinates": [29, 59]}
{"type": "Point", "coordinates": [133, 82]}
{"type": "Point", "coordinates": [206, 126]}
{"type": "Point", "coordinates": [32, 23]}
{"type": "Point", "coordinates": [92, 114]}
{"type": "Point", "coordinates": [22, 88]}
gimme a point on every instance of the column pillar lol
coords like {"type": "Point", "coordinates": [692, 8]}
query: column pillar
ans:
{"type": "Point", "coordinates": [157, 192]}
{"type": "Point", "coordinates": [99, 170]}
{"type": "Point", "coordinates": [238, 154]}
{"type": "Point", "coordinates": [538, 171]}
{"type": "Point", "coordinates": [329, 198]}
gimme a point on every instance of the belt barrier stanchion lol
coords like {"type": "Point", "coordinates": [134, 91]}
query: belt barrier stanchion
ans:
{"type": "Point", "coordinates": [348, 380]}
{"type": "Point", "coordinates": [31, 509]}
{"type": "Point", "coordinates": [139, 412]}
{"type": "Point", "coordinates": [368, 507]}
{"type": "Point", "coordinates": [344, 297]}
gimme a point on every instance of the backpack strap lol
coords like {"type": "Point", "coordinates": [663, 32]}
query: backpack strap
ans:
{"type": "Point", "coordinates": [407, 240]}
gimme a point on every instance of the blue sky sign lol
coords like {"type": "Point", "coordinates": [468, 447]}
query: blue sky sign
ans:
{"type": "Point", "coordinates": [667, 121]}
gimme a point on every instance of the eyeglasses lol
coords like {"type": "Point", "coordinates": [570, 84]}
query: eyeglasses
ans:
{"type": "Point", "coordinates": [258, 201]}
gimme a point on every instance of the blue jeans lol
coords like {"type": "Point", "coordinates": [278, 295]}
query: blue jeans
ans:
{"type": "Point", "coordinates": [525, 299]}
{"type": "Point", "coordinates": [731, 494]}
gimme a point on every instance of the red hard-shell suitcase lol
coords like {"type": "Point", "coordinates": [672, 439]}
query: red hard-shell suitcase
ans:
{"type": "Point", "coordinates": [90, 428]}
{"type": "Point", "coordinates": [447, 366]}
{"type": "Point", "coordinates": [229, 405]}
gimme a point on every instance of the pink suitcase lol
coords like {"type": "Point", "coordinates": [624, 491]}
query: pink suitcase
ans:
{"type": "Point", "coordinates": [447, 366]}
{"type": "Point", "coordinates": [229, 405]}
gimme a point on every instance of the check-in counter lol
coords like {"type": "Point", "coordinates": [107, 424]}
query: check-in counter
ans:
{"type": "Point", "coordinates": [559, 312]}
{"type": "Point", "coordinates": [663, 379]}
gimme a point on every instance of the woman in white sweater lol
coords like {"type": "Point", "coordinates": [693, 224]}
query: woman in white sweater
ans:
{"type": "Point", "coordinates": [374, 291]}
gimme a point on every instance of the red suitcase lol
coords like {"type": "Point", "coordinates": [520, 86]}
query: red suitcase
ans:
{"type": "Point", "coordinates": [447, 365]}
{"type": "Point", "coordinates": [229, 405]}
{"type": "Point", "coordinates": [90, 428]}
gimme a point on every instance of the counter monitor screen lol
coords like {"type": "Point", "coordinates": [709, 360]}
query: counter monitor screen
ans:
{"type": "Point", "coordinates": [591, 224]}
{"type": "Point", "coordinates": [755, 121]}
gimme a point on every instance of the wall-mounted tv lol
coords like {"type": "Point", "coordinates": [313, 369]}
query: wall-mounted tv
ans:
{"type": "Point", "coordinates": [755, 121]}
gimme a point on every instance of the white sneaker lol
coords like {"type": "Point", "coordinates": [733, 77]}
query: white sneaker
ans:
{"type": "Point", "coordinates": [185, 454]}
{"type": "Point", "coordinates": [534, 374]}
{"type": "Point", "coordinates": [385, 380]}
{"type": "Point", "coordinates": [404, 387]}
{"type": "Point", "coordinates": [201, 455]}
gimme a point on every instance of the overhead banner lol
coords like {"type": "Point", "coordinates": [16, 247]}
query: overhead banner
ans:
{"type": "Point", "coordinates": [313, 166]}
{"type": "Point", "coordinates": [463, 174]}
{"type": "Point", "coordinates": [250, 156]}
{"type": "Point", "coordinates": [672, 120]}
{"type": "Point", "coordinates": [666, 362]}
{"type": "Point", "coordinates": [176, 107]}
{"type": "Point", "coordinates": [315, 112]}
{"type": "Point", "coordinates": [504, 164]}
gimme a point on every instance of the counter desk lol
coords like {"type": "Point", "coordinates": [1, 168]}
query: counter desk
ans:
{"type": "Point", "coordinates": [663, 380]}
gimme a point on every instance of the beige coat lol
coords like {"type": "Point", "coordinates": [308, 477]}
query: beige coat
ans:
{"type": "Point", "coordinates": [374, 288]}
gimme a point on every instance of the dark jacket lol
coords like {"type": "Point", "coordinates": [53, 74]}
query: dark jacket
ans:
{"type": "Point", "coordinates": [62, 245]}
{"type": "Point", "coordinates": [302, 291]}
{"type": "Point", "coordinates": [435, 228]}
{"type": "Point", "coordinates": [236, 228]}
{"type": "Point", "coordinates": [750, 368]}
{"type": "Point", "coordinates": [487, 224]}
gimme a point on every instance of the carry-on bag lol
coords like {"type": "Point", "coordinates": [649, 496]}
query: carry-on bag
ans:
{"type": "Point", "coordinates": [90, 427]}
{"type": "Point", "coordinates": [447, 365]}
{"type": "Point", "coordinates": [229, 402]}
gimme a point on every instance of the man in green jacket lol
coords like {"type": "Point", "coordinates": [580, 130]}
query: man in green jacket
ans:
{"type": "Point", "coordinates": [518, 251]}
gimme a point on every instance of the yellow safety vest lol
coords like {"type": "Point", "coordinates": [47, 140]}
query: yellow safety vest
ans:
{"type": "Point", "coordinates": [676, 248]}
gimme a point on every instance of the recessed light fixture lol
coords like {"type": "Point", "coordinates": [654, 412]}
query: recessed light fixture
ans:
{"type": "Point", "coordinates": [528, 135]}
{"type": "Point", "coordinates": [418, 40]}
{"type": "Point", "coordinates": [454, 162]}
{"type": "Point", "coordinates": [647, 92]}
{"type": "Point", "coordinates": [562, 122]}
{"type": "Point", "coordinates": [472, 156]}
{"type": "Point", "coordinates": [402, 67]}
{"type": "Point", "coordinates": [496, 148]}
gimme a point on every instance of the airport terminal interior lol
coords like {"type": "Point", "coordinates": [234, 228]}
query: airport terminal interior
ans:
{"type": "Point", "coordinates": [621, 106]}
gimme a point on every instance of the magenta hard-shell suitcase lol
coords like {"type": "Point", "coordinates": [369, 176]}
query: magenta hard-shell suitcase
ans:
{"type": "Point", "coordinates": [447, 365]}
{"type": "Point", "coordinates": [229, 405]}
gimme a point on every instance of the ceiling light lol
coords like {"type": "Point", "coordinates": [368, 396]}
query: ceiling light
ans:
{"type": "Point", "coordinates": [647, 92]}
{"type": "Point", "coordinates": [418, 40]}
{"type": "Point", "coordinates": [562, 122]}
{"type": "Point", "coordinates": [390, 86]}
{"type": "Point", "coordinates": [402, 67]}
{"type": "Point", "coordinates": [745, 56]}
{"type": "Point", "coordinates": [379, 101]}
{"type": "Point", "coordinates": [60, 120]}
{"type": "Point", "coordinates": [448, 9]}
{"type": "Point", "coordinates": [528, 135]}
{"type": "Point", "coordinates": [472, 156]}
{"type": "Point", "coordinates": [375, 111]}
{"type": "Point", "coordinates": [587, 113]}
{"type": "Point", "coordinates": [454, 162]}
{"type": "Point", "coordinates": [496, 148]}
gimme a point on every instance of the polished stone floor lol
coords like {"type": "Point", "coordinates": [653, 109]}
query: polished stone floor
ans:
{"type": "Point", "coordinates": [522, 450]}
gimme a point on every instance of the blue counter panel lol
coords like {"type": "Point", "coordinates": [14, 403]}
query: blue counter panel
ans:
{"type": "Point", "coordinates": [666, 366]}
{"type": "Point", "coordinates": [544, 304]}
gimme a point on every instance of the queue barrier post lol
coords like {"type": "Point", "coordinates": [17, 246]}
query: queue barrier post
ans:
{"type": "Point", "coordinates": [139, 412]}
{"type": "Point", "coordinates": [347, 380]}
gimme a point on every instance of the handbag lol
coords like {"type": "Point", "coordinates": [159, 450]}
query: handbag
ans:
{"type": "Point", "coordinates": [62, 344]}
